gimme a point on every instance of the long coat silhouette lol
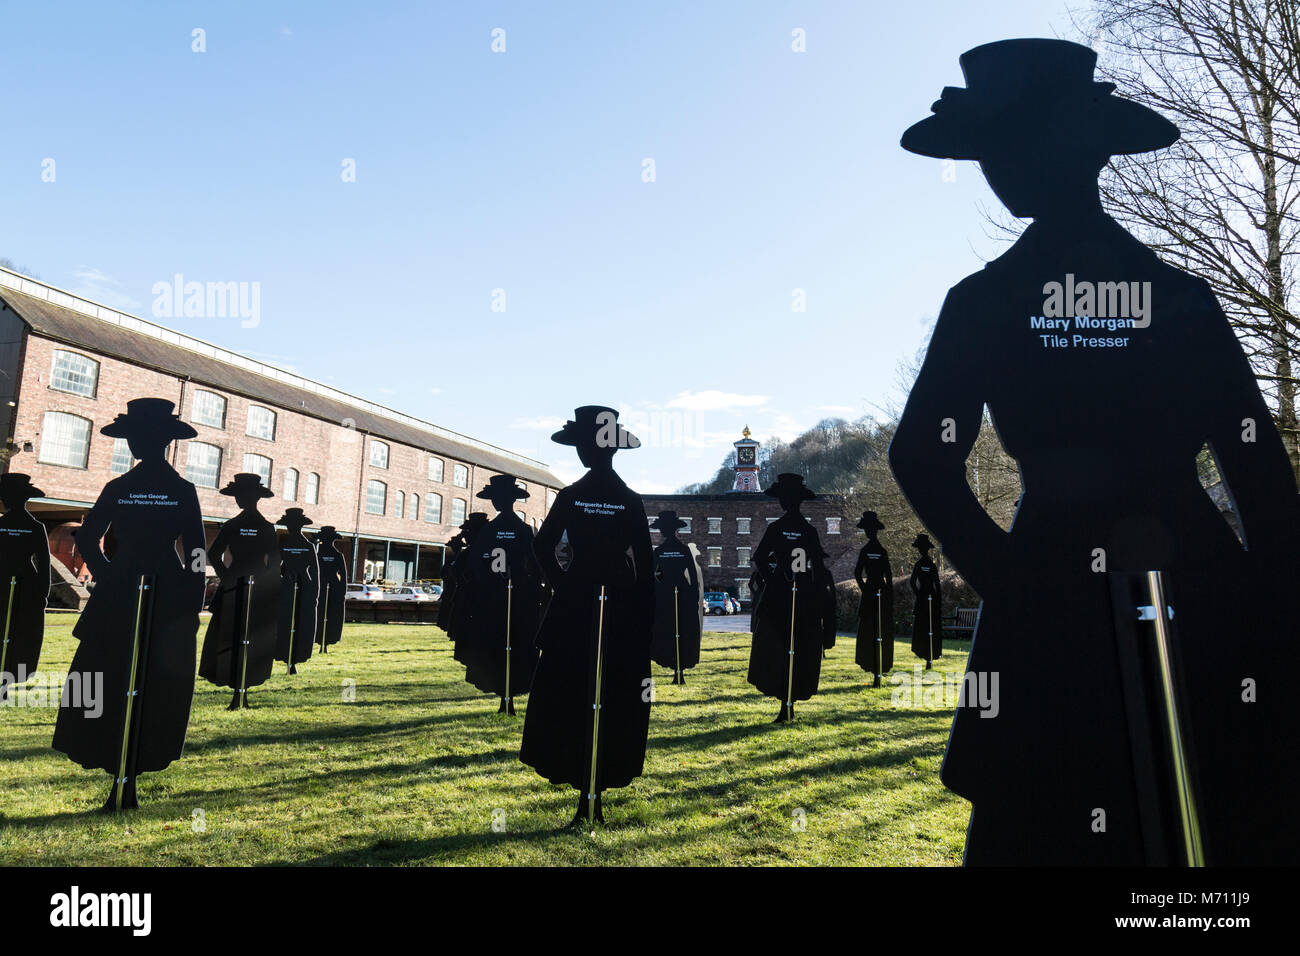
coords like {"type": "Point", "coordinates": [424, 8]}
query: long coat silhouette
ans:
{"type": "Point", "coordinates": [148, 509]}
{"type": "Point", "coordinates": [239, 648]}
{"type": "Point", "coordinates": [24, 579]}
{"type": "Point", "coordinates": [796, 595]}
{"type": "Point", "coordinates": [927, 608]}
{"type": "Point", "coordinates": [508, 581]}
{"type": "Point", "coordinates": [675, 642]}
{"type": "Point", "coordinates": [333, 587]}
{"type": "Point", "coordinates": [609, 544]}
{"type": "Point", "coordinates": [874, 652]}
{"type": "Point", "coordinates": [299, 593]}
{"type": "Point", "coordinates": [1106, 422]}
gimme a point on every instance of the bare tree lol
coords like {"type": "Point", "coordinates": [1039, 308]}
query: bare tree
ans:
{"type": "Point", "coordinates": [1221, 202]}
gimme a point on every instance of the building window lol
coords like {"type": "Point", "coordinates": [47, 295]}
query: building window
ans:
{"type": "Point", "coordinates": [399, 504]}
{"type": "Point", "coordinates": [312, 495]}
{"type": "Point", "coordinates": [742, 525]}
{"type": "Point", "coordinates": [208, 408]}
{"type": "Point", "coordinates": [65, 440]}
{"type": "Point", "coordinates": [291, 484]}
{"type": "Point", "coordinates": [715, 557]}
{"type": "Point", "coordinates": [832, 525]}
{"type": "Point", "coordinates": [715, 525]}
{"type": "Point", "coordinates": [379, 454]}
{"type": "Point", "coordinates": [742, 557]}
{"type": "Point", "coordinates": [457, 511]}
{"type": "Point", "coordinates": [414, 499]}
{"type": "Point", "coordinates": [261, 423]}
{"type": "Point", "coordinates": [259, 465]}
{"type": "Point", "coordinates": [435, 469]}
{"type": "Point", "coordinates": [433, 508]}
{"type": "Point", "coordinates": [460, 476]}
{"type": "Point", "coordinates": [521, 516]}
{"type": "Point", "coordinates": [74, 373]}
{"type": "Point", "coordinates": [122, 457]}
{"type": "Point", "coordinates": [376, 497]}
{"type": "Point", "coordinates": [686, 528]}
{"type": "Point", "coordinates": [203, 464]}
{"type": "Point", "coordinates": [742, 588]}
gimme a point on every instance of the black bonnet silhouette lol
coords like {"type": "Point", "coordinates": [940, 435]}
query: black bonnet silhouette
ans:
{"type": "Point", "coordinates": [498, 644]}
{"type": "Point", "coordinates": [927, 610]}
{"type": "Point", "coordinates": [1105, 371]}
{"type": "Point", "coordinates": [139, 627]}
{"type": "Point", "coordinates": [589, 710]}
{"type": "Point", "coordinates": [239, 648]}
{"type": "Point", "coordinates": [24, 581]}
{"type": "Point", "coordinates": [874, 652]}
{"type": "Point", "coordinates": [675, 641]}
{"type": "Point", "coordinates": [794, 609]}
{"type": "Point", "coordinates": [299, 592]}
{"type": "Point", "coordinates": [333, 587]}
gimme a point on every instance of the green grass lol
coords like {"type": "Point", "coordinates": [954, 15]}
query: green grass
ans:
{"type": "Point", "coordinates": [412, 771]}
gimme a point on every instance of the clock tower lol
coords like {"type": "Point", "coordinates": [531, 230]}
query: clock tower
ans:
{"type": "Point", "coordinates": [746, 463]}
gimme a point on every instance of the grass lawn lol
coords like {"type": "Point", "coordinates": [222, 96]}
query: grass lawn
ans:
{"type": "Point", "coordinates": [414, 769]}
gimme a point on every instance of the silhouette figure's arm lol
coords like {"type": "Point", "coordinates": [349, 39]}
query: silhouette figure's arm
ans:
{"type": "Point", "coordinates": [41, 559]}
{"type": "Point", "coordinates": [193, 539]}
{"type": "Point", "coordinates": [860, 569]}
{"type": "Point", "coordinates": [642, 554]}
{"type": "Point", "coordinates": [931, 470]}
{"type": "Point", "coordinates": [762, 555]}
{"type": "Point", "coordinates": [692, 579]}
{"type": "Point", "coordinates": [88, 536]}
{"type": "Point", "coordinates": [217, 552]}
{"type": "Point", "coordinates": [914, 580]}
{"type": "Point", "coordinates": [548, 539]}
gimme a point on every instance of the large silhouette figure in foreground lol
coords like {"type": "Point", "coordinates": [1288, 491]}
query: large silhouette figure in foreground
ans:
{"type": "Point", "coordinates": [239, 649]}
{"type": "Point", "coordinates": [589, 710]}
{"type": "Point", "coordinates": [333, 587]}
{"type": "Point", "coordinates": [24, 580]}
{"type": "Point", "coordinates": [675, 643]}
{"type": "Point", "coordinates": [927, 607]}
{"type": "Point", "coordinates": [875, 646]}
{"type": "Point", "coordinates": [794, 613]}
{"type": "Point", "coordinates": [139, 627]}
{"type": "Point", "coordinates": [1105, 371]}
{"type": "Point", "coordinates": [498, 644]}
{"type": "Point", "coordinates": [299, 592]}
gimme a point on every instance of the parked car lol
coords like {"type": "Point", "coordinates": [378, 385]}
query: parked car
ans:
{"type": "Point", "coordinates": [717, 602]}
{"type": "Point", "coordinates": [433, 590]}
{"type": "Point", "coordinates": [363, 592]}
{"type": "Point", "coordinates": [408, 593]}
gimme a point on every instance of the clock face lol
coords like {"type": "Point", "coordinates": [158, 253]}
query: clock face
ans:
{"type": "Point", "coordinates": [745, 455]}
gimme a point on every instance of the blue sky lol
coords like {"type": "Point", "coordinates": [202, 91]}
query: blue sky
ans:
{"type": "Point", "coordinates": [519, 171]}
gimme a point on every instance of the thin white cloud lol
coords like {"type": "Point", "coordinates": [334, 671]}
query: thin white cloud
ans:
{"type": "Point", "coordinates": [541, 423]}
{"type": "Point", "coordinates": [837, 409]}
{"type": "Point", "coordinates": [712, 400]}
{"type": "Point", "coordinates": [99, 286]}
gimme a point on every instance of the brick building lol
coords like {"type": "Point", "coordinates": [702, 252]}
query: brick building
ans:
{"type": "Point", "coordinates": [726, 528]}
{"type": "Point", "coordinates": [395, 487]}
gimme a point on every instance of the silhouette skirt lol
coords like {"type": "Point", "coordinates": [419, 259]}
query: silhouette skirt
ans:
{"type": "Point", "coordinates": [872, 658]}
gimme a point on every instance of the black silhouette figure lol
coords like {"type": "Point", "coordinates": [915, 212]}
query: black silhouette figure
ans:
{"type": "Point", "coordinates": [299, 592]}
{"type": "Point", "coordinates": [675, 641]}
{"type": "Point", "coordinates": [239, 649]}
{"type": "Point", "coordinates": [463, 607]}
{"type": "Point", "coordinates": [450, 581]}
{"type": "Point", "coordinates": [875, 647]}
{"type": "Point", "coordinates": [140, 625]}
{"type": "Point", "coordinates": [794, 612]}
{"type": "Point", "coordinates": [927, 609]}
{"type": "Point", "coordinates": [589, 710]}
{"type": "Point", "coordinates": [1105, 410]}
{"type": "Point", "coordinates": [24, 581]}
{"type": "Point", "coordinates": [498, 645]}
{"type": "Point", "coordinates": [333, 587]}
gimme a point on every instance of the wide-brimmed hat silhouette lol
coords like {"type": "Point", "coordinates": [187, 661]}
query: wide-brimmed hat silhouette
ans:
{"type": "Point", "coordinates": [789, 484]}
{"type": "Point", "coordinates": [1015, 87]}
{"type": "Point", "coordinates": [294, 518]}
{"type": "Point", "coordinates": [246, 482]}
{"type": "Point", "coordinates": [502, 486]}
{"type": "Point", "coordinates": [15, 485]}
{"type": "Point", "coordinates": [327, 534]}
{"type": "Point", "coordinates": [148, 418]}
{"type": "Point", "coordinates": [667, 522]}
{"type": "Point", "coordinates": [869, 522]}
{"type": "Point", "coordinates": [595, 426]}
{"type": "Point", "coordinates": [472, 523]}
{"type": "Point", "coordinates": [923, 542]}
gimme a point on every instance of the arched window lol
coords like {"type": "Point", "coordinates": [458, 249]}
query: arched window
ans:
{"type": "Point", "coordinates": [435, 469]}
{"type": "Point", "coordinates": [75, 373]}
{"type": "Point", "coordinates": [203, 464]}
{"type": "Point", "coordinates": [457, 511]}
{"type": "Point", "coordinates": [291, 484]}
{"type": "Point", "coordinates": [414, 499]}
{"type": "Point", "coordinates": [312, 495]}
{"type": "Point", "coordinates": [208, 408]}
{"type": "Point", "coordinates": [65, 440]}
{"type": "Point", "coordinates": [261, 423]}
{"type": "Point", "coordinates": [376, 497]}
{"type": "Point", "coordinates": [379, 454]}
{"type": "Point", "coordinates": [399, 505]}
{"type": "Point", "coordinates": [259, 465]}
{"type": "Point", "coordinates": [433, 508]}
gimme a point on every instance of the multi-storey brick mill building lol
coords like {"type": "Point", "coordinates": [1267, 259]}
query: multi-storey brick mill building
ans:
{"type": "Point", "coordinates": [395, 487]}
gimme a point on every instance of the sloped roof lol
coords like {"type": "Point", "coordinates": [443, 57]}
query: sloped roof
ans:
{"type": "Point", "coordinates": [144, 343]}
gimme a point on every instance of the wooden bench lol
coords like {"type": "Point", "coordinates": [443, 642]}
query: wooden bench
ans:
{"type": "Point", "coordinates": [962, 625]}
